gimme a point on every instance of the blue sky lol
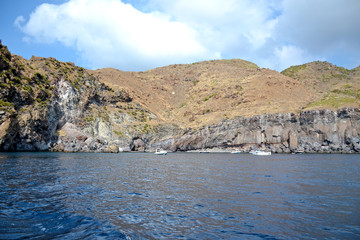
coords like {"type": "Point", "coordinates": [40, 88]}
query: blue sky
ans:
{"type": "Point", "coordinates": [12, 36]}
{"type": "Point", "coordinates": [144, 34]}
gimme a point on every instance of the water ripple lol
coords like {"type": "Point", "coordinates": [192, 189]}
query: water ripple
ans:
{"type": "Point", "coordinates": [178, 196]}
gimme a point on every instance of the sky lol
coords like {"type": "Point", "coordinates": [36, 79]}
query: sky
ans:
{"type": "Point", "coordinates": [137, 35]}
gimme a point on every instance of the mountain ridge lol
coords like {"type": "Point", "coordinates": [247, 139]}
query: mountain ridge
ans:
{"type": "Point", "coordinates": [246, 91]}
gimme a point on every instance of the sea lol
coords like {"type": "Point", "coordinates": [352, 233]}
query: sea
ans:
{"type": "Point", "coordinates": [179, 196]}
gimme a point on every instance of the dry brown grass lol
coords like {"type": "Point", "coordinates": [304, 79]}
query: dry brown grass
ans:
{"type": "Point", "coordinates": [207, 92]}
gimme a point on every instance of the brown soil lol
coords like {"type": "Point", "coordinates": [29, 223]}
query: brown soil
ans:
{"type": "Point", "coordinates": [207, 92]}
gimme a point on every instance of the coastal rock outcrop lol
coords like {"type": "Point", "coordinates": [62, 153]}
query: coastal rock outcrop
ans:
{"type": "Point", "coordinates": [309, 131]}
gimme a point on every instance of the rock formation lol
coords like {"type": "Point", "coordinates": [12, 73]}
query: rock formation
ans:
{"type": "Point", "coordinates": [310, 131]}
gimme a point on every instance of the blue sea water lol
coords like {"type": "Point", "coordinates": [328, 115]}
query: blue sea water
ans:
{"type": "Point", "coordinates": [179, 196]}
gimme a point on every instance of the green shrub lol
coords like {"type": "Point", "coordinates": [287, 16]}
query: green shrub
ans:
{"type": "Point", "coordinates": [211, 96]}
{"type": "Point", "coordinates": [206, 111]}
{"type": "Point", "coordinates": [17, 80]}
{"type": "Point", "coordinates": [4, 85]}
{"type": "Point", "coordinates": [183, 104]}
{"type": "Point", "coordinates": [39, 76]}
{"type": "Point", "coordinates": [90, 118]}
{"type": "Point", "coordinates": [331, 100]}
{"type": "Point", "coordinates": [293, 70]}
{"type": "Point", "coordinates": [27, 88]}
{"type": "Point", "coordinates": [119, 133]}
{"type": "Point", "coordinates": [348, 91]}
{"type": "Point", "coordinates": [343, 70]}
{"type": "Point", "coordinates": [146, 128]}
{"type": "Point", "coordinates": [27, 79]}
{"type": "Point", "coordinates": [13, 70]}
{"type": "Point", "coordinates": [5, 104]}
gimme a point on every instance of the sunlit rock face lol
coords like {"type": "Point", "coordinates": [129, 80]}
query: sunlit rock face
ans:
{"type": "Point", "coordinates": [309, 131]}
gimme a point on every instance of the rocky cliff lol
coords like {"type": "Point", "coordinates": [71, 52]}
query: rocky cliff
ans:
{"type": "Point", "coordinates": [47, 105]}
{"type": "Point", "coordinates": [42, 96]}
{"type": "Point", "coordinates": [321, 131]}
{"type": "Point", "coordinates": [309, 131]}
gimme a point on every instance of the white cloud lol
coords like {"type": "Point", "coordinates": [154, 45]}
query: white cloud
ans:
{"type": "Point", "coordinates": [271, 33]}
{"type": "Point", "coordinates": [246, 23]}
{"type": "Point", "coordinates": [18, 21]}
{"type": "Point", "coordinates": [323, 28]}
{"type": "Point", "coordinates": [111, 33]}
{"type": "Point", "coordinates": [265, 31]}
{"type": "Point", "coordinates": [290, 55]}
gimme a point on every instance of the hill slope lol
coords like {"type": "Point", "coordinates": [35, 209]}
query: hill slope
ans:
{"type": "Point", "coordinates": [207, 92]}
{"type": "Point", "coordinates": [332, 87]}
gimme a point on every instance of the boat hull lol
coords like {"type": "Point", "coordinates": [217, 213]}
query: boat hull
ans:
{"type": "Point", "coordinates": [262, 154]}
{"type": "Point", "coordinates": [162, 152]}
{"type": "Point", "coordinates": [235, 152]}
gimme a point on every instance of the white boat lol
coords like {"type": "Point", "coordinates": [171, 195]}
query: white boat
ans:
{"type": "Point", "coordinates": [235, 152]}
{"type": "Point", "coordinates": [260, 152]}
{"type": "Point", "coordinates": [160, 152]}
{"type": "Point", "coordinates": [203, 151]}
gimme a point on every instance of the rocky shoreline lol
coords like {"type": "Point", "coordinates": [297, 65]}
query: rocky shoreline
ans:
{"type": "Point", "coordinates": [320, 131]}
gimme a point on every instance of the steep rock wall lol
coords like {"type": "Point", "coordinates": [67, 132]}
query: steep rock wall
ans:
{"type": "Point", "coordinates": [310, 131]}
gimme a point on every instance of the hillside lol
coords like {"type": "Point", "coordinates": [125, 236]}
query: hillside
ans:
{"type": "Point", "coordinates": [207, 92]}
{"type": "Point", "coordinates": [46, 104]}
{"type": "Point", "coordinates": [38, 97]}
{"type": "Point", "coordinates": [333, 87]}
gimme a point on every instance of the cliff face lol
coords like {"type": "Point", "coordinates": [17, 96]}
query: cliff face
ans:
{"type": "Point", "coordinates": [47, 105]}
{"type": "Point", "coordinates": [309, 131]}
{"type": "Point", "coordinates": [39, 97]}
{"type": "Point", "coordinates": [321, 131]}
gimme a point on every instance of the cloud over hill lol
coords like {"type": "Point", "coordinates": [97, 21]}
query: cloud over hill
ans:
{"type": "Point", "coordinates": [138, 35]}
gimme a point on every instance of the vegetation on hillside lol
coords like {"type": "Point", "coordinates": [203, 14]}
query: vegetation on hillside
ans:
{"type": "Point", "coordinates": [334, 87]}
{"type": "Point", "coordinates": [293, 70]}
{"type": "Point", "coordinates": [190, 95]}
